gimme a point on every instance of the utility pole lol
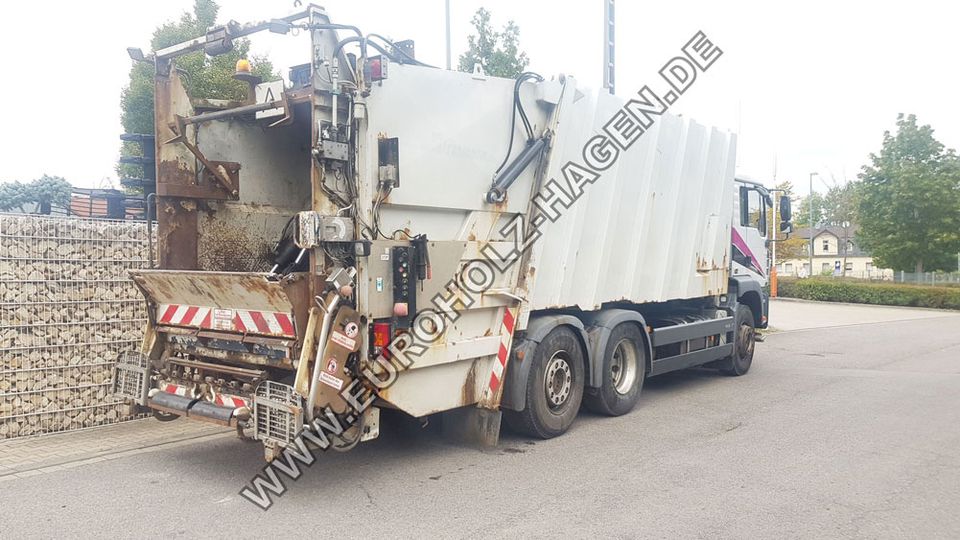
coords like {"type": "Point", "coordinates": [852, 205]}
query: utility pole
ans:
{"type": "Point", "coordinates": [773, 242]}
{"type": "Point", "coordinates": [775, 226]}
{"type": "Point", "coordinates": [608, 46]}
{"type": "Point", "coordinates": [447, 2]}
{"type": "Point", "coordinates": [810, 230]}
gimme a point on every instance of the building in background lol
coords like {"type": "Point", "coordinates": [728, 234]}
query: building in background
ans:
{"type": "Point", "coordinates": [835, 253]}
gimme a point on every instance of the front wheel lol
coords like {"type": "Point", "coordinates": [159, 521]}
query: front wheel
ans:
{"type": "Point", "coordinates": [554, 388]}
{"type": "Point", "coordinates": [744, 342]}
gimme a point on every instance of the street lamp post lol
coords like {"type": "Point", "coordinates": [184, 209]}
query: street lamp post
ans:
{"type": "Point", "coordinates": [810, 229]}
{"type": "Point", "coordinates": [447, 6]}
{"type": "Point", "coordinates": [609, 44]}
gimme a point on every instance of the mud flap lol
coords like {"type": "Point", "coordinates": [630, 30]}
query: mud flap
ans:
{"type": "Point", "coordinates": [472, 425]}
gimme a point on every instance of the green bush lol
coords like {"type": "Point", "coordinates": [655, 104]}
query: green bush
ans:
{"type": "Point", "coordinates": [866, 292]}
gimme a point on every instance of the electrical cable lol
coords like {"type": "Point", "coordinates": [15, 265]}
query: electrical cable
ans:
{"type": "Point", "coordinates": [523, 113]}
{"type": "Point", "coordinates": [518, 108]}
{"type": "Point", "coordinates": [394, 46]}
{"type": "Point", "coordinates": [385, 53]}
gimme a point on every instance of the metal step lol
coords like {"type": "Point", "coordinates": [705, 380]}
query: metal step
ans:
{"type": "Point", "coordinates": [195, 409]}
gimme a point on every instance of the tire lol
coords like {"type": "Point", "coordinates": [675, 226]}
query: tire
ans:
{"type": "Point", "coordinates": [552, 403]}
{"type": "Point", "coordinates": [744, 343]}
{"type": "Point", "coordinates": [624, 368]}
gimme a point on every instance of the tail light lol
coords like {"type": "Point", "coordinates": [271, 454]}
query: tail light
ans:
{"type": "Point", "coordinates": [381, 338]}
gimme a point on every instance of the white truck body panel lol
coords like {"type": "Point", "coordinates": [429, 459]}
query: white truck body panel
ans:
{"type": "Point", "coordinates": [654, 227]}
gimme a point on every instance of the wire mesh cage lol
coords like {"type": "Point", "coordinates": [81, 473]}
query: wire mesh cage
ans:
{"type": "Point", "coordinates": [277, 412]}
{"type": "Point", "coordinates": [132, 376]}
{"type": "Point", "coordinates": [67, 311]}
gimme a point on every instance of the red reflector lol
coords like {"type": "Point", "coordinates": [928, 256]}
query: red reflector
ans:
{"type": "Point", "coordinates": [381, 334]}
{"type": "Point", "coordinates": [376, 69]}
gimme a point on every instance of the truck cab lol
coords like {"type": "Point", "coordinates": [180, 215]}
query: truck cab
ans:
{"type": "Point", "coordinates": [752, 233]}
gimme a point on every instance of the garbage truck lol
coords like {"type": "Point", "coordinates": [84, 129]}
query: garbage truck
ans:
{"type": "Point", "coordinates": [377, 234]}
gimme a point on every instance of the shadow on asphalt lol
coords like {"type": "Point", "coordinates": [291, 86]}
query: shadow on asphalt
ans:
{"type": "Point", "coordinates": [402, 441]}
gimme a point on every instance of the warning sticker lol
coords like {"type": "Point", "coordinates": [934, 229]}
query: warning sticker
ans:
{"type": "Point", "coordinates": [330, 380]}
{"type": "Point", "coordinates": [332, 365]}
{"type": "Point", "coordinates": [222, 319]}
{"type": "Point", "coordinates": [343, 341]}
{"type": "Point", "coordinates": [351, 329]}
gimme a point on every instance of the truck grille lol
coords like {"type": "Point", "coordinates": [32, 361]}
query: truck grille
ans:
{"type": "Point", "coordinates": [277, 412]}
{"type": "Point", "coordinates": [131, 376]}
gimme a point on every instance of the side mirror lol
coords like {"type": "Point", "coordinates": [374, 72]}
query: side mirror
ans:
{"type": "Point", "coordinates": [786, 226]}
{"type": "Point", "coordinates": [786, 213]}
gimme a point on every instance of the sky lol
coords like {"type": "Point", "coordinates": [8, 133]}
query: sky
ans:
{"type": "Point", "coordinates": [808, 87]}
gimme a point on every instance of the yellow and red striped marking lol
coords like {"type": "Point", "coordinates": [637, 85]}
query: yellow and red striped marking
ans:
{"type": "Point", "coordinates": [175, 389]}
{"type": "Point", "coordinates": [230, 401]}
{"type": "Point", "coordinates": [492, 393]}
{"type": "Point", "coordinates": [247, 321]}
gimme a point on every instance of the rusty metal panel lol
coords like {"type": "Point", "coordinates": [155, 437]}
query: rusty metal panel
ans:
{"type": "Point", "coordinates": [237, 238]}
{"type": "Point", "coordinates": [228, 301]}
{"type": "Point", "coordinates": [176, 217]}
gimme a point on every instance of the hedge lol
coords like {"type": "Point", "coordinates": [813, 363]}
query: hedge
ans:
{"type": "Point", "coordinates": [867, 292]}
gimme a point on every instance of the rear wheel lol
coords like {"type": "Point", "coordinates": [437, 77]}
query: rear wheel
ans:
{"type": "Point", "coordinates": [554, 388]}
{"type": "Point", "coordinates": [743, 344]}
{"type": "Point", "coordinates": [624, 367]}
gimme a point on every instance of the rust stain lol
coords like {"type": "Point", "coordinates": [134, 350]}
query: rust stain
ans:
{"type": "Point", "coordinates": [468, 394]}
{"type": "Point", "coordinates": [227, 248]}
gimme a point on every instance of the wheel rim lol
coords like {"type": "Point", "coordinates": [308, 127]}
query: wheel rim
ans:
{"type": "Point", "coordinates": [746, 341]}
{"type": "Point", "coordinates": [558, 380]}
{"type": "Point", "coordinates": [623, 366]}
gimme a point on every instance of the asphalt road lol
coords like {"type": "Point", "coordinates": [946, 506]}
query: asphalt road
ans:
{"type": "Point", "coordinates": [851, 431]}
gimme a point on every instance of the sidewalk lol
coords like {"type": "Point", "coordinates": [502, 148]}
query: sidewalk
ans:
{"type": "Point", "coordinates": [30, 456]}
{"type": "Point", "coordinates": [788, 314]}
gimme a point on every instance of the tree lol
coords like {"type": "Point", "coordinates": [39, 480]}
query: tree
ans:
{"type": "Point", "coordinates": [840, 211]}
{"type": "Point", "coordinates": [44, 192]}
{"type": "Point", "coordinates": [207, 77]}
{"type": "Point", "coordinates": [909, 204]}
{"type": "Point", "coordinates": [498, 52]}
{"type": "Point", "coordinates": [801, 211]}
{"type": "Point", "coordinates": [840, 205]}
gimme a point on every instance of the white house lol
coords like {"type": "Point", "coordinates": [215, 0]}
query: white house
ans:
{"type": "Point", "coordinates": [835, 253]}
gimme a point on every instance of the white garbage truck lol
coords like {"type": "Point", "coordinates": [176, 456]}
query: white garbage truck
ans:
{"type": "Point", "coordinates": [376, 234]}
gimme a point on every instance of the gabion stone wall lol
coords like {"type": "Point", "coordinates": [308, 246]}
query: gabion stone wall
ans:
{"type": "Point", "coordinates": [67, 309]}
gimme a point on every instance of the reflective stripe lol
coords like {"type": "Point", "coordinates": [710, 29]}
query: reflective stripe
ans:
{"type": "Point", "coordinates": [490, 397]}
{"type": "Point", "coordinates": [244, 320]}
